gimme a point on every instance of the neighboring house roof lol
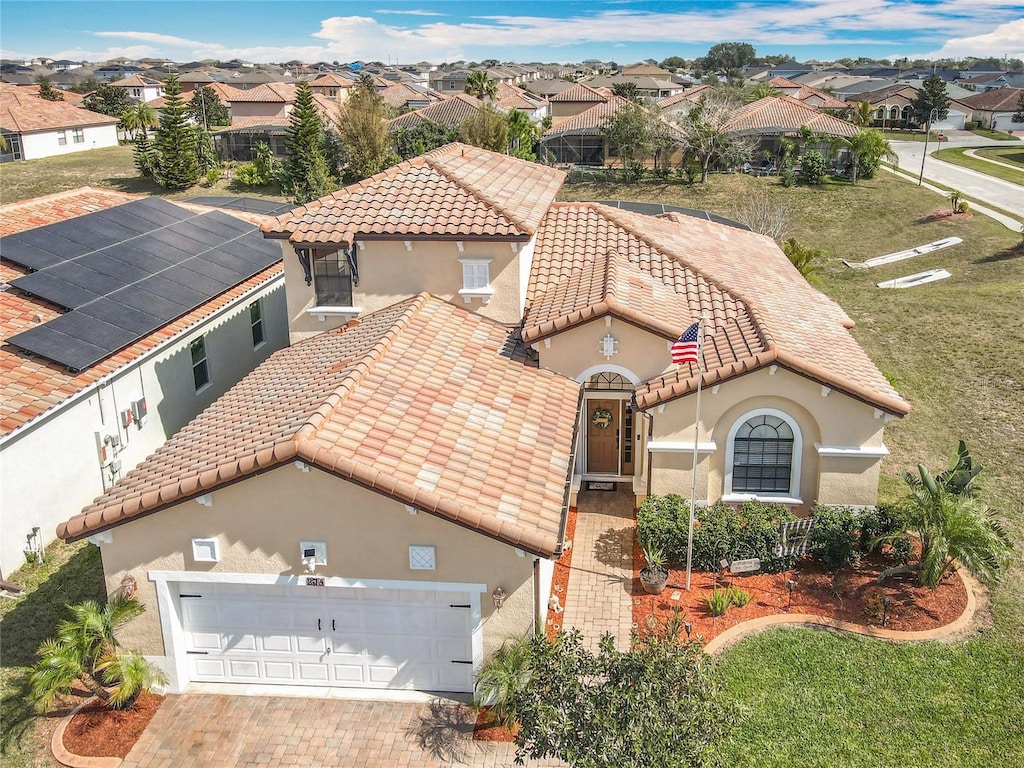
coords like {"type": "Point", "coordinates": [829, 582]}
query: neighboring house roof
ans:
{"type": "Point", "coordinates": [887, 92]}
{"type": "Point", "coordinates": [27, 113]}
{"type": "Point", "coordinates": [579, 92]}
{"type": "Point", "coordinates": [451, 113]}
{"type": "Point", "coordinates": [782, 115]}
{"type": "Point", "coordinates": [137, 81]}
{"type": "Point", "coordinates": [30, 386]}
{"type": "Point", "coordinates": [998, 100]}
{"type": "Point", "coordinates": [590, 121]}
{"type": "Point", "coordinates": [281, 93]}
{"type": "Point", "coordinates": [802, 92]}
{"type": "Point", "coordinates": [456, 191]}
{"type": "Point", "coordinates": [225, 93]}
{"type": "Point", "coordinates": [512, 97]}
{"type": "Point", "coordinates": [399, 95]}
{"type": "Point", "coordinates": [331, 80]}
{"type": "Point", "coordinates": [661, 272]}
{"type": "Point", "coordinates": [406, 401]}
{"type": "Point", "coordinates": [691, 95]}
{"type": "Point", "coordinates": [70, 97]}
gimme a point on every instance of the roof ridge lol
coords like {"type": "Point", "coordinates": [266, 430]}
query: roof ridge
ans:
{"type": "Point", "coordinates": [360, 369]}
{"type": "Point", "coordinates": [479, 194]}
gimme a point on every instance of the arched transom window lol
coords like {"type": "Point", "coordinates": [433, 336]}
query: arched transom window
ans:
{"type": "Point", "coordinates": [763, 455]}
{"type": "Point", "coordinates": [608, 381]}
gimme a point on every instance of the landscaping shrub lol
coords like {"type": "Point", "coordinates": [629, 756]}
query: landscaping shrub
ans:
{"type": "Point", "coordinates": [880, 522]}
{"type": "Point", "coordinates": [813, 167]}
{"type": "Point", "coordinates": [834, 536]}
{"type": "Point", "coordinates": [720, 532]}
{"type": "Point", "coordinates": [738, 597]}
{"type": "Point", "coordinates": [719, 601]}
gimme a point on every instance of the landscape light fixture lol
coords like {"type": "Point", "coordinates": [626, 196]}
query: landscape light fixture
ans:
{"type": "Point", "coordinates": [688, 626]}
{"type": "Point", "coordinates": [790, 585]}
{"type": "Point", "coordinates": [498, 595]}
{"type": "Point", "coordinates": [885, 609]}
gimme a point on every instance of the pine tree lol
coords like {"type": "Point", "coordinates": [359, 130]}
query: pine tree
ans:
{"type": "Point", "coordinates": [305, 168]}
{"type": "Point", "coordinates": [932, 96]}
{"type": "Point", "coordinates": [146, 157]}
{"type": "Point", "coordinates": [177, 165]}
{"type": "Point", "coordinates": [47, 91]}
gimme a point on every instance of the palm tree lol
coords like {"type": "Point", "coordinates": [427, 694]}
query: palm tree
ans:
{"type": "Point", "coordinates": [505, 672]}
{"type": "Point", "coordinates": [869, 147]}
{"type": "Point", "coordinates": [863, 115]}
{"type": "Point", "coordinates": [480, 85]}
{"type": "Point", "coordinates": [87, 651]}
{"type": "Point", "coordinates": [953, 527]}
{"type": "Point", "coordinates": [136, 118]}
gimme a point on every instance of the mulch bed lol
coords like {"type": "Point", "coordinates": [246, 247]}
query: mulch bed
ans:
{"type": "Point", "coordinates": [912, 607]}
{"type": "Point", "coordinates": [946, 215]}
{"type": "Point", "coordinates": [487, 729]}
{"type": "Point", "coordinates": [100, 732]}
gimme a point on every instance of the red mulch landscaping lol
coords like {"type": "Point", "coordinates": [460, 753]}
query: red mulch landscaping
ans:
{"type": "Point", "coordinates": [487, 729]}
{"type": "Point", "coordinates": [946, 215]}
{"type": "Point", "coordinates": [912, 607]}
{"type": "Point", "coordinates": [100, 732]}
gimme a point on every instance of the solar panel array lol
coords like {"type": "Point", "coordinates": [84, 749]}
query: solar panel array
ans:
{"type": "Point", "coordinates": [126, 271]}
{"type": "Point", "coordinates": [244, 204]}
{"type": "Point", "coordinates": [656, 209]}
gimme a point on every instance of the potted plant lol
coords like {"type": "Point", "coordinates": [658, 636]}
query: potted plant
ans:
{"type": "Point", "coordinates": [654, 575]}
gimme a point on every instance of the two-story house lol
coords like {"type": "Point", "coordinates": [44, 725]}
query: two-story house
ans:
{"type": "Point", "coordinates": [379, 505]}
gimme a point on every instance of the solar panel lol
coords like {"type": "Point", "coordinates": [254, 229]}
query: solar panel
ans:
{"type": "Point", "coordinates": [246, 204]}
{"type": "Point", "coordinates": [126, 271]}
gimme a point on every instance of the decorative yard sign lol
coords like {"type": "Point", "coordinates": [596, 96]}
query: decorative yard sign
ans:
{"type": "Point", "coordinates": [745, 566]}
{"type": "Point", "coordinates": [795, 537]}
{"type": "Point", "coordinates": [315, 581]}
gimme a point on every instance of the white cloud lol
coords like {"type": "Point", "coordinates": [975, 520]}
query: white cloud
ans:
{"type": "Point", "coordinates": [409, 13]}
{"type": "Point", "coordinates": [152, 37]}
{"type": "Point", "coordinates": [1005, 40]}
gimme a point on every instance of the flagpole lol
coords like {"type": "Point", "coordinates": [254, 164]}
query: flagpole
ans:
{"type": "Point", "coordinates": [696, 440]}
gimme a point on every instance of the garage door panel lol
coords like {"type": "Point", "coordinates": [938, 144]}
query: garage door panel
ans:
{"type": "Point", "coordinates": [357, 637]}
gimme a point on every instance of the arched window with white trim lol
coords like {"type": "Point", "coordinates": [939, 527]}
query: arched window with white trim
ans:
{"type": "Point", "coordinates": [763, 459]}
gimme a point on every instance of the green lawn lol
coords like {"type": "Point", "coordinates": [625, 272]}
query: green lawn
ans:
{"type": "Point", "coordinates": [957, 157]}
{"type": "Point", "coordinates": [995, 135]}
{"type": "Point", "coordinates": [953, 349]}
{"type": "Point", "coordinates": [69, 575]}
{"type": "Point", "coordinates": [1011, 155]}
{"type": "Point", "coordinates": [111, 168]}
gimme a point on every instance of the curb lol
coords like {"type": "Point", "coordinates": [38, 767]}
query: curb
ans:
{"type": "Point", "coordinates": [734, 634]}
{"type": "Point", "coordinates": [72, 760]}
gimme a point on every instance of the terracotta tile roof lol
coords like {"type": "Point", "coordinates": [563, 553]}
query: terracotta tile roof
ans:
{"type": "Point", "coordinates": [579, 92]}
{"type": "Point", "coordinates": [226, 93]}
{"type": "Point", "coordinates": [27, 113]}
{"type": "Point", "coordinates": [29, 386]}
{"type": "Point", "coordinates": [136, 81]}
{"type": "Point", "coordinates": [997, 100]}
{"type": "Point", "coordinates": [331, 80]}
{"type": "Point", "coordinates": [453, 192]}
{"type": "Point", "coordinates": [691, 95]}
{"type": "Point", "coordinates": [451, 113]}
{"type": "Point", "coordinates": [423, 402]}
{"type": "Point", "coordinates": [70, 97]}
{"type": "Point", "coordinates": [511, 97]}
{"type": "Point", "coordinates": [661, 272]}
{"type": "Point", "coordinates": [589, 121]}
{"type": "Point", "coordinates": [881, 94]}
{"type": "Point", "coordinates": [278, 123]}
{"type": "Point", "coordinates": [280, 93]}
{"type": "Point", "coordinates": [398, 95]}
{"type": "Point", "coordinates": [802, 92]}
{"type": "Point", "coordinates": [782, 114]}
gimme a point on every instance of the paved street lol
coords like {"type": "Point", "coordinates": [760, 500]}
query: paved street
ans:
{"type": "Point", "coordinates": [975, 185]}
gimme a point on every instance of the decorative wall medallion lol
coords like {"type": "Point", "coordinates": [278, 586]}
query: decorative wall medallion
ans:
{"type": "Point", "coordinates": [601, 418]}
{"type": "Point", "coordinates": [609, 346]}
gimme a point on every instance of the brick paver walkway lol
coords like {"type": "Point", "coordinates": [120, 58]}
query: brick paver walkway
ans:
{"type": "Point", "coordinates": [203, 730]}
{"type": "Point", "coordinates": [598, 598]}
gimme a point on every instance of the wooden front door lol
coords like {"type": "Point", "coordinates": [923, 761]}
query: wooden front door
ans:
{"type": "Point", "coordinates": [603, 425]}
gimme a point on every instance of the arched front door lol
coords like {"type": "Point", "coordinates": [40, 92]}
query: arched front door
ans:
{"type": "Point", "coordinates": [609, 425]}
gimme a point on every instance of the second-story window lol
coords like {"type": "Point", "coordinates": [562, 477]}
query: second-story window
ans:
{"type": "Point", "coordinates": [332, 279]}
{"type": "Point", "coordinates": [256, 323]}
{"type": "Point", "coordinates": [200, 365]}
{"type": "Point", "coordinates": [475, 274]}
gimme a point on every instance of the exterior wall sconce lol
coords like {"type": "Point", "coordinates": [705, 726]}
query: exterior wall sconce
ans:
{"type": "Point", "coordinates": [498, 595]}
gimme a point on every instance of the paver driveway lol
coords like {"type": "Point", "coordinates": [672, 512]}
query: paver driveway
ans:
{"type": "Point", "coordinates": [193, 730]}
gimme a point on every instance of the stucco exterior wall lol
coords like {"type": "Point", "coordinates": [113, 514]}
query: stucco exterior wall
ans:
{"type": "Point", "coordinates": [563, 110]}
{"type": "Point", "coordinates": [259, 109]}
{"type": "Point", "coordinates": [50, 469]}
{"type": "Point", "coordinates": [577, 350]}
{"type": "Point", "coordinates": [45, 144]}
{"type": "Point", "coordinates": [389, 272]}
{"type": "Point", "coordinates": [260, 521]}
{"type": "Point", "coordinates": [830, 420]}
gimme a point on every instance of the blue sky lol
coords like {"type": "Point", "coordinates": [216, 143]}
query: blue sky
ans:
{"type": "Point", "coordinates": [552, 30]}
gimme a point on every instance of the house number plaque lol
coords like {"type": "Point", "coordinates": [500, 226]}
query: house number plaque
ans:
{"type": "Point", "coordinates": [315, 581]}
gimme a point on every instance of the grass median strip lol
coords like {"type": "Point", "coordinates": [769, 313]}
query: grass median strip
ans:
{"type": "Point", "coordinates": [956, 156]}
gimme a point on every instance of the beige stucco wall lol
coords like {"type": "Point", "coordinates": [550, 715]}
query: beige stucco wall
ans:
{"type": "Point", "coordinates": [389, 272]}
{"type": "Point", "coordinates": [259, 109]}
{"type": "Point", "coordinates": [832, 420]}
{"type": "Point", "coordinates": [574, 351]}
{"type": "Point", "coordinates": [563, 110]}
{"type": "Point", "coordinates": [260, 521]}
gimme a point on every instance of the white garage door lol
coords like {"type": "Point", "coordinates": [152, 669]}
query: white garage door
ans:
{"type": "Point", "coordinates": [330, 636]}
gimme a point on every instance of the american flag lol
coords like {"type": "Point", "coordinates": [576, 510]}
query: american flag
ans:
{"type": "Point", "coordinates": [684, 350]}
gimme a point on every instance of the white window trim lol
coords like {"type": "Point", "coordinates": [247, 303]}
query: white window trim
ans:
{"type": "Point", "coordinates": [324, 312]}
{"type": "Point", "coordinates": [206, 363]}
{"type": "Point", "coordinates": [729, 496]}
{"type": "Point", "coordinates": [852, 451]}
{"type": "Point", "coordinates": [484, 292]}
